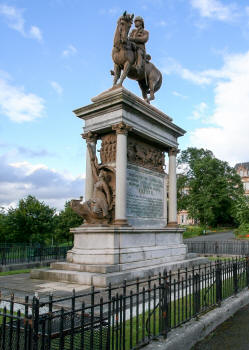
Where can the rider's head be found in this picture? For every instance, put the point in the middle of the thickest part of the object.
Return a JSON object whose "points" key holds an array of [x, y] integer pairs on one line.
{"points": [[139, 21]]}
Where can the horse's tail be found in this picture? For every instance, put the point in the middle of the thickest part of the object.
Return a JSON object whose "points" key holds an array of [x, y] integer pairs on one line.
{"points": [[159, 82]]}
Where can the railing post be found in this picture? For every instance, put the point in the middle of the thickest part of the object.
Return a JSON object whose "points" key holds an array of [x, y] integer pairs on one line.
{"points": [[197, 293], [247, 271], [165, 306], [35, 322], [235, 277], [218, 278]]}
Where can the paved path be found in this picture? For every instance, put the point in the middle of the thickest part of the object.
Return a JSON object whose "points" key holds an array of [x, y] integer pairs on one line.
{"points": [[215, 237], [22, 285], [231, 335]]}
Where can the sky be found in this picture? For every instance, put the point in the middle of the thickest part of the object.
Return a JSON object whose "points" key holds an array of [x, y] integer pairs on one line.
{"points": [[56, 55]]}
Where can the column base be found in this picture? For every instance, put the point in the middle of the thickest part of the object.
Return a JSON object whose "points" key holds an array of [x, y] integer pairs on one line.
{"points": [[121, 222], [172, 224]]}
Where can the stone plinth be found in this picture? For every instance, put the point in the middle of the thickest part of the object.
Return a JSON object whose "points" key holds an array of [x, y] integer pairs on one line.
{"points": [[140, 237], [103, 255]]}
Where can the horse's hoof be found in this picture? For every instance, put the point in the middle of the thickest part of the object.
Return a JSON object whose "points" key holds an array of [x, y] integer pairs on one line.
{"points": [[116, 86]]}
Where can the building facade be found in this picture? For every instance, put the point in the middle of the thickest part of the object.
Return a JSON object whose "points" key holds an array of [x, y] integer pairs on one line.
{"points": [[243, 170]]}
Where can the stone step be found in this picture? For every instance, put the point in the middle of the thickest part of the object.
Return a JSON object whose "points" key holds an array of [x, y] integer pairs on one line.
{"points": [[103, 279], [114, 268], [84, 278], [192, 255]]}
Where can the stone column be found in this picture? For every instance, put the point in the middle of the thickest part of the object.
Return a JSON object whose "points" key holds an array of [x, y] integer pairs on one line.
{"points": [[91, 139], [121, 168], [172, 188]]}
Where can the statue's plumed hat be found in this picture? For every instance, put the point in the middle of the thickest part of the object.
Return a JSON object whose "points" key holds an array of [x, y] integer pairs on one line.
{"points": [[139, 18]]}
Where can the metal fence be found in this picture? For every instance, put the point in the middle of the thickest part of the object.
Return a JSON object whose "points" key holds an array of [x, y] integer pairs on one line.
{"points": [[15, 254], [119, 318], [230, 247]]}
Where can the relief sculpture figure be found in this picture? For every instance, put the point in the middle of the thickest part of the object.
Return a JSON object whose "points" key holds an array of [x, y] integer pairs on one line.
{"points": [[98, 208], [129, 56]]}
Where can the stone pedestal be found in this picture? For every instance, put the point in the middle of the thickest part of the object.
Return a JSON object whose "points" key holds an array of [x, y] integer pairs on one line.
{"points": [[141, 237]]}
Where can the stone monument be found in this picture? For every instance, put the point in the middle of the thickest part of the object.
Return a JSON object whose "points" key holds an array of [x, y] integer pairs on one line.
{"points": [[130, 218]]}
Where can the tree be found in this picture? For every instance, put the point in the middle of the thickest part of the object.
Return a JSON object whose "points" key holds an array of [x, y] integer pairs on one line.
{"points": [[32, 221], [241, 210], [213, 187], [2, 224], [66, 219]]}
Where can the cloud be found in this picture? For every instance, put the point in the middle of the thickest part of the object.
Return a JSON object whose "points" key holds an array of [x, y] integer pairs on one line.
{"points": [[33, 153], [15, 151], [161, 23], [17, 180], [69, 51], [177, 94], [113, 11], [227, 135], [14, 18], [35, 33], [18, 105], [57, 88], [199, 111], [205, 77], [214, 9]]}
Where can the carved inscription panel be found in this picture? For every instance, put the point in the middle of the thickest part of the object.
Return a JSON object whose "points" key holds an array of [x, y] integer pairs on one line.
{"points": [[145, 193]]}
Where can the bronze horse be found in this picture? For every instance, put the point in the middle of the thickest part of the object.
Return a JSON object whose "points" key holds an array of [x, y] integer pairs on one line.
{"points": [[124, 58]]}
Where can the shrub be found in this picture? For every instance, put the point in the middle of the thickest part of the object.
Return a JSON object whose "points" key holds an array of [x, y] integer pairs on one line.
{"points": [[242, 231], [193, 231]]}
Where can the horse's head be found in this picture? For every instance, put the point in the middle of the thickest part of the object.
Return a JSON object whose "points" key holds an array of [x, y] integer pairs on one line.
{"points": [[124, 25]]}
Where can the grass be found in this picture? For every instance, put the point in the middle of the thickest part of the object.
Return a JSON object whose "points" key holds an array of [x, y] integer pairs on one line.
{"points": [[14, 272]]}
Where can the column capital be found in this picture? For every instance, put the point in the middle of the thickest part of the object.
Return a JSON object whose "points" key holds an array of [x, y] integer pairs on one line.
{"points": [[173, 151], [122, 128], [90, 136]]}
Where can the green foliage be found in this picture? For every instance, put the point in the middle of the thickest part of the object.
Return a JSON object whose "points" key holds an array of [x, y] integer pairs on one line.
{"points": [[241, 209], [213, 187], [66, 219], [2, 224], [31, 221], [182, 192], [34, 221], [243, 231], [193, 231]]}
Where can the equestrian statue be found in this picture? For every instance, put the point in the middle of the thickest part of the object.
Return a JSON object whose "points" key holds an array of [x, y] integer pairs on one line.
{"points": [[129, 56]]}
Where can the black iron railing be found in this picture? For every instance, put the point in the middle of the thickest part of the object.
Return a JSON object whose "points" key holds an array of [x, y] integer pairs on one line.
{"points": [[229, 247], [120, 317], [15, 254]]}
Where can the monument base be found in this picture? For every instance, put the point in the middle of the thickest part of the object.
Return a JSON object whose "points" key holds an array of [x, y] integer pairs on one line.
{"points": [[103, 255]]}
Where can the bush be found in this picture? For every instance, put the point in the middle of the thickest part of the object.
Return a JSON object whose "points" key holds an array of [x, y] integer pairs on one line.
{"points": [[193, 231], [242, 231]]}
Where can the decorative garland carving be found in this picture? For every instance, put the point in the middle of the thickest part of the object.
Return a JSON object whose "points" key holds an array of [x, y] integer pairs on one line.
{"points": [[108, 148]]}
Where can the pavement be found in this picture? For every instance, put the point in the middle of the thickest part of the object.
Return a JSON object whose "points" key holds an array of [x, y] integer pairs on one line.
{"points": [[22, 285], [221, 236], [232, 334]]}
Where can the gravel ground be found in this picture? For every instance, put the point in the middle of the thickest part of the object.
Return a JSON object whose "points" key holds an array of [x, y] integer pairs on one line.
{"points": [[231, 335]]}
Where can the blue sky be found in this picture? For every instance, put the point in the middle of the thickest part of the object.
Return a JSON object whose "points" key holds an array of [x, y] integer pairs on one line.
{"points": [[56, 55]]}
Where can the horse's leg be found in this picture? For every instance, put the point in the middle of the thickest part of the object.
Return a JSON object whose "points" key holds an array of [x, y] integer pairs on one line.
{"points": [[126, 69], [117, 72], [143, 88], [151, 85]]}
